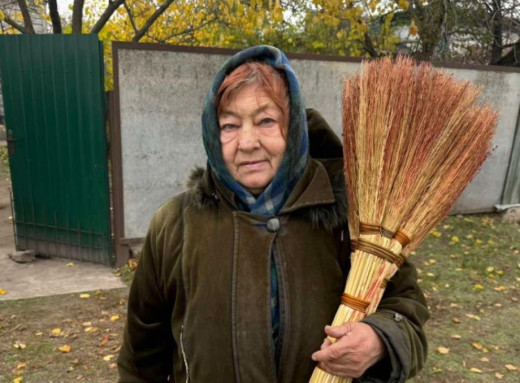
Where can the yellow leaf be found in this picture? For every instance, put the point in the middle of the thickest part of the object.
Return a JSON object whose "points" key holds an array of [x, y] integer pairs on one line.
{"points": [[477, 345], [56, 331], [70, 264], [471, 316], [455, 320], [478, 286], [484, 359], [500, 272], [478, 242], [20, 365], [498, 375], [443, 350], [2, 17], [86, 324], [3, 292], [491, 242], [404, 4], [455, 239], [18, 380], [114, 318], [19, 346], [436, 233], [510, 367], [475, 370], [39, 333], [490, 269], [432, 261], [455, 336], [107, 358], [500, 288], [84, 296], [64, 349]]}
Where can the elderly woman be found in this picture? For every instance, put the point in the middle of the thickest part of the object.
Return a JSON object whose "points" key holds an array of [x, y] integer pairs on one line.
{"points": [[239, 275]]}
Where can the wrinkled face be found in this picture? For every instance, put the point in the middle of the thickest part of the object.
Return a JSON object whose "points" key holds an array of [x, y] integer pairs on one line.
{"points": [[251, 137]]}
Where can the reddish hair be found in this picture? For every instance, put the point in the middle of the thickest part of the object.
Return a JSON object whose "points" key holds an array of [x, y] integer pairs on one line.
{"points": [[268, 79]]}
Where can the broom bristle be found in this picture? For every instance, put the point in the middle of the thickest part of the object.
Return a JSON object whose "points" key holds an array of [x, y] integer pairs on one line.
{"points": [[413, 139]]}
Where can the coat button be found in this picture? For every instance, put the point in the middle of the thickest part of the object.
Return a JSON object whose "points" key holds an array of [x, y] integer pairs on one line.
{"points": [[398, 317], [273, 225]]}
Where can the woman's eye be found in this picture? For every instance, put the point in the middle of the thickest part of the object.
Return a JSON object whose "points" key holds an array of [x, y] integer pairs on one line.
{"points": [[266, 121], [228, 127]]}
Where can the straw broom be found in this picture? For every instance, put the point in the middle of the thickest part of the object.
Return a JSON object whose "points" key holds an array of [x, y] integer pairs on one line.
{"points": [[413, 139]]}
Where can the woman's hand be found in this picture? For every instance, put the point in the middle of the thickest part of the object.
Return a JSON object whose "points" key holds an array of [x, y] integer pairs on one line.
{"points": [[357, 348]]}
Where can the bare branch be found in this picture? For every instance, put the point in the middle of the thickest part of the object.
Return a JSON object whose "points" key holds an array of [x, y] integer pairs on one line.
{"points": [[15, 25], [55, 17], [26, 16], [112, 6], [130, 17], [158, 12]]}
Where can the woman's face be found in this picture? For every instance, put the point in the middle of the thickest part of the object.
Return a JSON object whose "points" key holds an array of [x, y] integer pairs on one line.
{"points": [[252, 139]]}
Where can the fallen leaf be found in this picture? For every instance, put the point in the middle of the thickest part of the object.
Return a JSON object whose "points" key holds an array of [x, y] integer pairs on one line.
{"points": [[20, 365], [64, 349], [70, 264], [455, 320], [112, 365], [490, 269], [436, 233], [107, 358], [3, 292], [471, 316], [19, 346], [500, 288], [91, 329], [18, 380], [500, 272], [104, 341], [86, 324], [56, 332], [475, 370], [498, 375], [478, 286], [84, 296], [114, 318], [456, 337], [39, 333], [510, 367], [443, 350], [484, 359], [477, 345], [455, 239]]}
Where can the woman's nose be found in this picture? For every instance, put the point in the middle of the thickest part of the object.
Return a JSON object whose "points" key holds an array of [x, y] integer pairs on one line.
{"points": [[248, 137]]}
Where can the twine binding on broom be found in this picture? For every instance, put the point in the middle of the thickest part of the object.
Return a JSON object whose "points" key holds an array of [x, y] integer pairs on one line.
{"points": [[378, 251], [399, 235], [355, 303]]}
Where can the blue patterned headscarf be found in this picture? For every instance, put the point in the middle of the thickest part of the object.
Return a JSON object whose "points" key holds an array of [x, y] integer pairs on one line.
{"points": [[297, 147]]}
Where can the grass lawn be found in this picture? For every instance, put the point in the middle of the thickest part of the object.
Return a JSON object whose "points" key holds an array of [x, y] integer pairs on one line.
{"points": [[469, 269]]}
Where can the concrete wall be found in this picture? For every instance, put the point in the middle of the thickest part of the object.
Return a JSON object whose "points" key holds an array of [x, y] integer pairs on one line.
{"points": [[161, 94]]}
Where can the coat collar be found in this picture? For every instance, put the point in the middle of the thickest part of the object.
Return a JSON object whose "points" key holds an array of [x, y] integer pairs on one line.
{"points": [[318, 197]]}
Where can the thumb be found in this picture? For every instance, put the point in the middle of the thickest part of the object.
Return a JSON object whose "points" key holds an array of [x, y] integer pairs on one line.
{"points": [[338, 331]]}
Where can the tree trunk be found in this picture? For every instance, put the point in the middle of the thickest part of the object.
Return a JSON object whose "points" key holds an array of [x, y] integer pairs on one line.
{"points": [[26, 16], [55, 17], [496, 30], [77, 16]]}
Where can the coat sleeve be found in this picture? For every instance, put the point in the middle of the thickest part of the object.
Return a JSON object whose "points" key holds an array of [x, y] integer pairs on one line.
{"points": [[148, 345], [399, 322]]}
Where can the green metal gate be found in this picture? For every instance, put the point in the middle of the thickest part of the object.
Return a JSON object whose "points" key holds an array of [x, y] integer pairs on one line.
{"points": [[55, 108]]}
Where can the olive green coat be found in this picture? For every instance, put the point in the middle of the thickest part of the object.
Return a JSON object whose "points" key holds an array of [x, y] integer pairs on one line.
{"points": [[199, 305]]}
